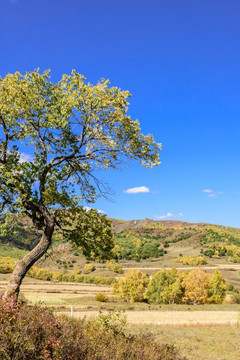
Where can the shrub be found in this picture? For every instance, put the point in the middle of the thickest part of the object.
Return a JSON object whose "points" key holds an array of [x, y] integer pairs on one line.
{"points": [[236, 298], [232, 288], [101, 297], [88, 268], [33, 332], [114, 267], [191, 260]]}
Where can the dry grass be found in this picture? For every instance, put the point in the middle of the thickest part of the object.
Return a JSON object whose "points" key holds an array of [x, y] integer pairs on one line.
{"points": [[197, 342], [175, 318], [198, 331]]}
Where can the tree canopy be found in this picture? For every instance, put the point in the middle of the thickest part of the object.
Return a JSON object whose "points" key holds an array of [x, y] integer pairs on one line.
{"points": [[54, 137], [73, 129]]}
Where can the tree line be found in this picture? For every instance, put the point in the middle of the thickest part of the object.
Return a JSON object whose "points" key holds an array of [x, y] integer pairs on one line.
{"points": [[172, 287]]}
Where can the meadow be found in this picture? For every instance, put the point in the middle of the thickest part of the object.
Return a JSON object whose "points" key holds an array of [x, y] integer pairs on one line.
{"points": [[204, 332], [201, 332]]}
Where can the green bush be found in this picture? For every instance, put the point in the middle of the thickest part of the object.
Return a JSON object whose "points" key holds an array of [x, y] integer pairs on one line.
{"points": [[236, 298]]}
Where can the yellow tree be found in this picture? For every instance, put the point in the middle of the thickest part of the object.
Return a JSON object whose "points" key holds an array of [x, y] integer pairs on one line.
{"points": [[196, 285], [166, 287], [217, 288], [132, 287]]}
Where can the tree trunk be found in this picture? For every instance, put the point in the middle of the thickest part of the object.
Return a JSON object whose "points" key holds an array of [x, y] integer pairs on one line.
{"points": [[22, 266]]}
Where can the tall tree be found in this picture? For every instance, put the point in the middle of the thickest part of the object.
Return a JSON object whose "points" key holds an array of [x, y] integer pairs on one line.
{"points": [[217, 288], [132, 287], [72, 129], [166, 287], [196, 285]]}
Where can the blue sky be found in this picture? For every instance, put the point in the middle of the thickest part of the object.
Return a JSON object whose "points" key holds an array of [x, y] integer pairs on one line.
{"points": [[180, 60]]}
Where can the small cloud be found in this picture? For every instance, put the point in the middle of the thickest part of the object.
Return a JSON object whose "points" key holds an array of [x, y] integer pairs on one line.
{"points": [[180, 214], [137, 190], [87, 208], [25, 157], [161, 217], [212, 194], [101, 211]]}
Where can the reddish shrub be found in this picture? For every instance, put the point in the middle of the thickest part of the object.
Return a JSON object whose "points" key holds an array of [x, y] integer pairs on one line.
{"points": [[33, 332]]}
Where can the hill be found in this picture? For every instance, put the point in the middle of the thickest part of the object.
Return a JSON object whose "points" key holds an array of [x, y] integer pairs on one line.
{"points": [[139, 240]]}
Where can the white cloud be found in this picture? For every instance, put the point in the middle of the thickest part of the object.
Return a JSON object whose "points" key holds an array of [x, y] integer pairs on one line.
{"points": [[25, 157], [137, 190], [101, 211], [161, 217], [211, 193], [87, 208], [165, 216]]}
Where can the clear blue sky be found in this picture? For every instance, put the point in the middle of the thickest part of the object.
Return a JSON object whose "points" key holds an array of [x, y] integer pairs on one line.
{"points": [[180, 59]]}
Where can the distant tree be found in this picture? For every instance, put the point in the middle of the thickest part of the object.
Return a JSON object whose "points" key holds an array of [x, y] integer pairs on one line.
{"points": [[72, 129], [196, 285], [166, 287], [132, 287], [217, 288]]}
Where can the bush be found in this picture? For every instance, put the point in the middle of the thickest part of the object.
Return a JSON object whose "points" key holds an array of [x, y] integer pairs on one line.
{"points": [[88, 268], [236, 298], [101, 297], [191, 260], [114, 267], [33, 332]]}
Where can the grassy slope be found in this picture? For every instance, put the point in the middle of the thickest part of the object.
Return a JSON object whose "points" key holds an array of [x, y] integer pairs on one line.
{"points": [[63, 257]]}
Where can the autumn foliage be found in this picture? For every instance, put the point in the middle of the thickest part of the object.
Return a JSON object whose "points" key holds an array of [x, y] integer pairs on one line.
{"points": [[33, 332], [172, 287]]}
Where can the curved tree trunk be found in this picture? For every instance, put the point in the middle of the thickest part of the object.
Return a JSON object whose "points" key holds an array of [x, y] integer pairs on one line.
{"points": [[22, 266]]}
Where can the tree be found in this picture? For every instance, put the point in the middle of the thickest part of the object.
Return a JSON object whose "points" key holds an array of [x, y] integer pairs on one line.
{"points": [[72, 129], [132, 287], [217, 288], [196, 285], [166, 287]]}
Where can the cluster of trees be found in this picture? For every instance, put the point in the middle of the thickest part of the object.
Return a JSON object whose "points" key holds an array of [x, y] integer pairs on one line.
{"points": [[7, 265], [219, 235], [144, 245], [131, 246], [172, 287], [218, 250], [191, 260]]}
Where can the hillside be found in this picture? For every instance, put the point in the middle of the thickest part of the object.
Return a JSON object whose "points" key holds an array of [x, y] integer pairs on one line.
{"points": [[139, 240]]}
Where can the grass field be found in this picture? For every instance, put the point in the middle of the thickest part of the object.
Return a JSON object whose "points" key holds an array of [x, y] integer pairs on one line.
{"points": [[203, 332]]}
